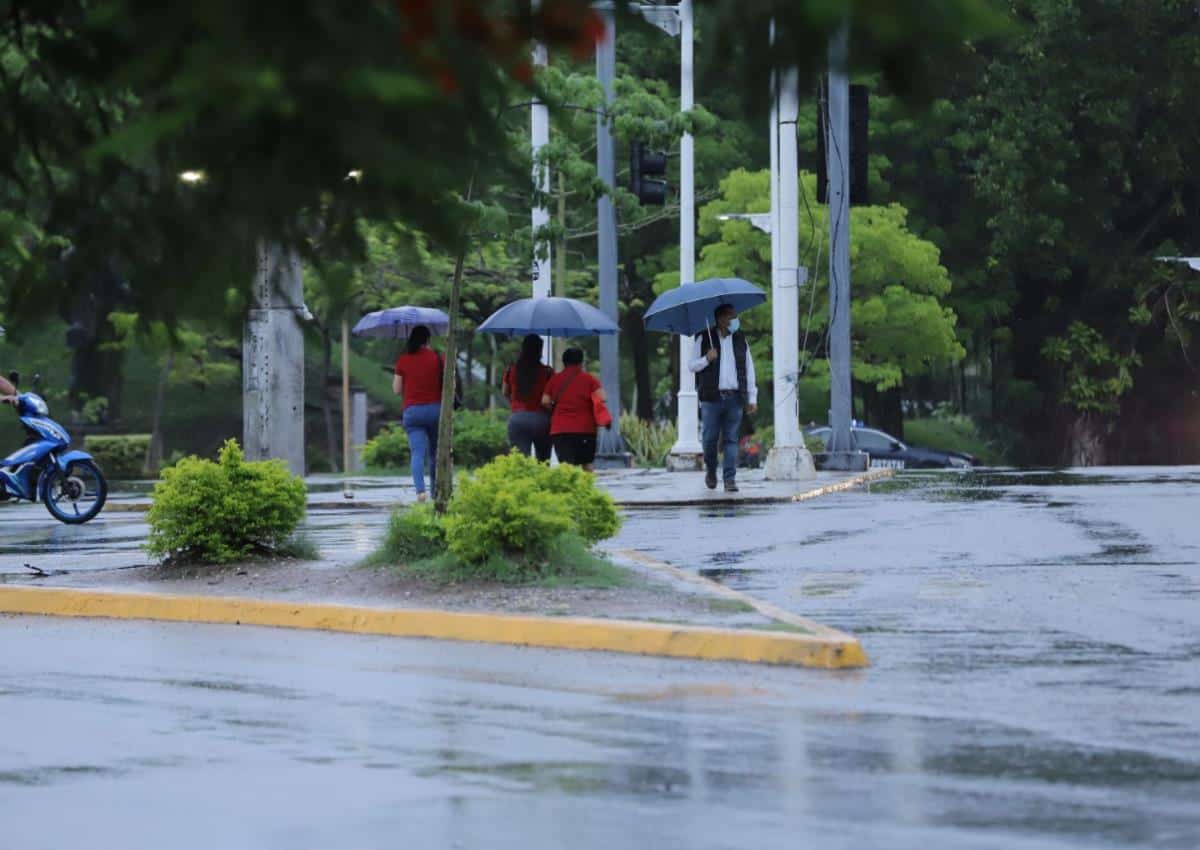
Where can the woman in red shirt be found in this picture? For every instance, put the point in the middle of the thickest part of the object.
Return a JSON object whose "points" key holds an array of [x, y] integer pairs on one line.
{"points": [[419, 379], [523, 384], [569, 396]]}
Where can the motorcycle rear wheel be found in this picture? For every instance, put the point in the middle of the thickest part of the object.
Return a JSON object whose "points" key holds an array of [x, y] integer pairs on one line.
{"points": [[78, 496]]}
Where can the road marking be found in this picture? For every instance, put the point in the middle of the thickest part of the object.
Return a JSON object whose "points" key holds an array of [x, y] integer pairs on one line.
{"points": [[575, 633]]}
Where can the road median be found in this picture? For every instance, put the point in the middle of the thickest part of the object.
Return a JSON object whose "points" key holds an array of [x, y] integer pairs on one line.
{"points": [[571, 633]]}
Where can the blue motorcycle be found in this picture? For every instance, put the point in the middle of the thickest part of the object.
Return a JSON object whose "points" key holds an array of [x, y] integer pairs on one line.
{"points": [[68, 483]]}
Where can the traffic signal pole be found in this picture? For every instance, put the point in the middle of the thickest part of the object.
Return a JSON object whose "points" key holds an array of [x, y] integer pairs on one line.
{"points": [[838, 151], [609, 441]]}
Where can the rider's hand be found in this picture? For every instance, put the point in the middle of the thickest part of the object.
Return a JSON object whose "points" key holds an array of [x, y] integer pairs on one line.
{"points": [[9, 399]]}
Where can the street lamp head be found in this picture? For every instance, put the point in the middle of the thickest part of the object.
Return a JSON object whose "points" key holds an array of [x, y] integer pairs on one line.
{"points": [[355, 174], [193, 177]]}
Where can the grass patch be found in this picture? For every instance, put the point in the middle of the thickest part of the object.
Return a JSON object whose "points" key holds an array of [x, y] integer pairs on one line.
{"points": [[730, 606], [568, 563]]}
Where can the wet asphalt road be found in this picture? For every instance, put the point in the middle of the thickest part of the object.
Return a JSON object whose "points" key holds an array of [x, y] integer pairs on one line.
{"points": [[1035, 641]]}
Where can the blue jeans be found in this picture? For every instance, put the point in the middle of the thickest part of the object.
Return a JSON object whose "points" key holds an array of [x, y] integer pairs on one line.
{"points": [[421, 425], [719, 422]]}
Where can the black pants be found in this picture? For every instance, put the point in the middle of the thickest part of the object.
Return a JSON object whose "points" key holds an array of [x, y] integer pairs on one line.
{"points": [[577, 449], [528, 430]]}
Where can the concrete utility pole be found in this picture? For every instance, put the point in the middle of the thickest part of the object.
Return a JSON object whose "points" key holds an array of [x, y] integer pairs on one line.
{"points": [[788, 459], [609, 442], [837, 149], [687, 453], [273, 361]]}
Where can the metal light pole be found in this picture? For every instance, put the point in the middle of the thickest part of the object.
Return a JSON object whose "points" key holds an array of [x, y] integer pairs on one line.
{"points": [[609, 442], [838, 152], [687, 453]]}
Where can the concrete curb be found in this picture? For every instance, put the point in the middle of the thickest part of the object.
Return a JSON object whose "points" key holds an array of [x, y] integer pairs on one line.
{"points": [[689, 502], [768, 610], [713, 644]]}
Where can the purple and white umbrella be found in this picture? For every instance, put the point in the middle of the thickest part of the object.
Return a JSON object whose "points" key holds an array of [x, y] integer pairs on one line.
{"points": [[398, 322]]}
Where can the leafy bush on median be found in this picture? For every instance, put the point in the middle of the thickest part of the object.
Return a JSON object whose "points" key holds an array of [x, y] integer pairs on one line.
{"points": [[226, 511], [515, 519]]}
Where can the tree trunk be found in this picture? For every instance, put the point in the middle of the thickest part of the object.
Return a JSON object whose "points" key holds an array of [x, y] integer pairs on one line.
{"points": [[445, 470], [154, 454], [1086, 438], [491, 372]]}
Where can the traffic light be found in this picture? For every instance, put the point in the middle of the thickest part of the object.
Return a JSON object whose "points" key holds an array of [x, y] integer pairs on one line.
{"points": [[642, 163], [860, 112]]}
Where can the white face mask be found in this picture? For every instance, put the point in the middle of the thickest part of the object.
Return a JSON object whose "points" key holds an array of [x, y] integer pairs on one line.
{"points": [[734, 325]]}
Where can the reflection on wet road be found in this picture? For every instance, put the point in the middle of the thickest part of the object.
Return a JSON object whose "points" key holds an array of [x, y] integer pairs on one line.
{"points": [[1043, 629], [1035, 641]]}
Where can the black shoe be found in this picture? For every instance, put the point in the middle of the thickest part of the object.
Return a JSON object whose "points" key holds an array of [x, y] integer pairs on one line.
{"points": [[731, 487], [710, 479]]}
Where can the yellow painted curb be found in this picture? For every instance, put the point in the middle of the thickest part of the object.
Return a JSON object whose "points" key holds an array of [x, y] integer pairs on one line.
{"points": [[817, 630], [557, 633], [849, 484]]}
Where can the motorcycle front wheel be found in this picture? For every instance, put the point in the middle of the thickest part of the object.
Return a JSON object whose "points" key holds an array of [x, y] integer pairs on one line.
{"points": [[79, 495]]}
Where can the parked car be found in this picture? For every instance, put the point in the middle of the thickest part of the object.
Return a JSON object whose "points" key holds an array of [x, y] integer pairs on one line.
{"points": [[886, 450]]}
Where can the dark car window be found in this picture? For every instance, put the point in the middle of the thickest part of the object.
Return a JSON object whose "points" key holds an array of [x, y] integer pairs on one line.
{"points": [[873, 441], [821, 434]]}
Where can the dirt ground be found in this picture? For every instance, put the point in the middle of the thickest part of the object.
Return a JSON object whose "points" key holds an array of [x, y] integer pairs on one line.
{"points": [[645, 596]]}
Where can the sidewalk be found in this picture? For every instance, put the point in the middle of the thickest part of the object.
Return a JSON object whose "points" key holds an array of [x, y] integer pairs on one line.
{"points": [[631, 488]]}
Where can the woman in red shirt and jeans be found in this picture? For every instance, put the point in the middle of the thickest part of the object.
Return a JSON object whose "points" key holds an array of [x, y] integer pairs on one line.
{"points": [[419, 379], [524, 383], [572, 420]]}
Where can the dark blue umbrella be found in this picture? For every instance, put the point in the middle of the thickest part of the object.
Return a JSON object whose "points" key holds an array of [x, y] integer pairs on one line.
{"points": [[398, 322], [549, 317], [688, 309]]}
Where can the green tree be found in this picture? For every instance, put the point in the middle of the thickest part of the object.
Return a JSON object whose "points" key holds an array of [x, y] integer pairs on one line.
{"points": [[899, 325], [1085, 161]]}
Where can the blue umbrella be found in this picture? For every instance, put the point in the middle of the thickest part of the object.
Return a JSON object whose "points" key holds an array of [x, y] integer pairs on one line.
{"points": [[688, 309], [549, 317], [398, 322]]}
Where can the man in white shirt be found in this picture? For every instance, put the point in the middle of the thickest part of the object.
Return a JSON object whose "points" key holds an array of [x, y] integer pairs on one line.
{"points": [[726, 385]]}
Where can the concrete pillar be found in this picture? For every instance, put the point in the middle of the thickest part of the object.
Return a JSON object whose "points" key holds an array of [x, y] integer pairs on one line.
{"points": [[788, 459], [358, 429], [273, 361]]}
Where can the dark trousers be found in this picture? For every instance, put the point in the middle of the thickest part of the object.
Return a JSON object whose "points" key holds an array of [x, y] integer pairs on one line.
{"points": [[720, 421], [528, 430]]}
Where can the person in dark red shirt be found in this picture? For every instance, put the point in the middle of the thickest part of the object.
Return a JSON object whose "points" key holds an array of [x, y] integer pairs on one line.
{"points": [[419, 379], [569, 397], [523, 385]]}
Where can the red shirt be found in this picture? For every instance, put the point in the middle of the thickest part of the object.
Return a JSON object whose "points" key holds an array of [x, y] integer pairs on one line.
{"points": [[531, 402], [573, 406], [422, 374]]}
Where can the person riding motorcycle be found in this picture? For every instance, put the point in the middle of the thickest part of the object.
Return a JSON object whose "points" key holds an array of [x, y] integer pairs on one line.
{"points": [[8, 393]]}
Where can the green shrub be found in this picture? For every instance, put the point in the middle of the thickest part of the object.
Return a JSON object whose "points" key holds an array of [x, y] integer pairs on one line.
{"points": [[518, 507], [648, 442], [119, 455], [413, 534], [478, 438], [226, 511], [386, 450]]}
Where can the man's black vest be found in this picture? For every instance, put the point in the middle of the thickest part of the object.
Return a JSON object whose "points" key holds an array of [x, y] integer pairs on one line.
{"points": [[708, 379]]}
